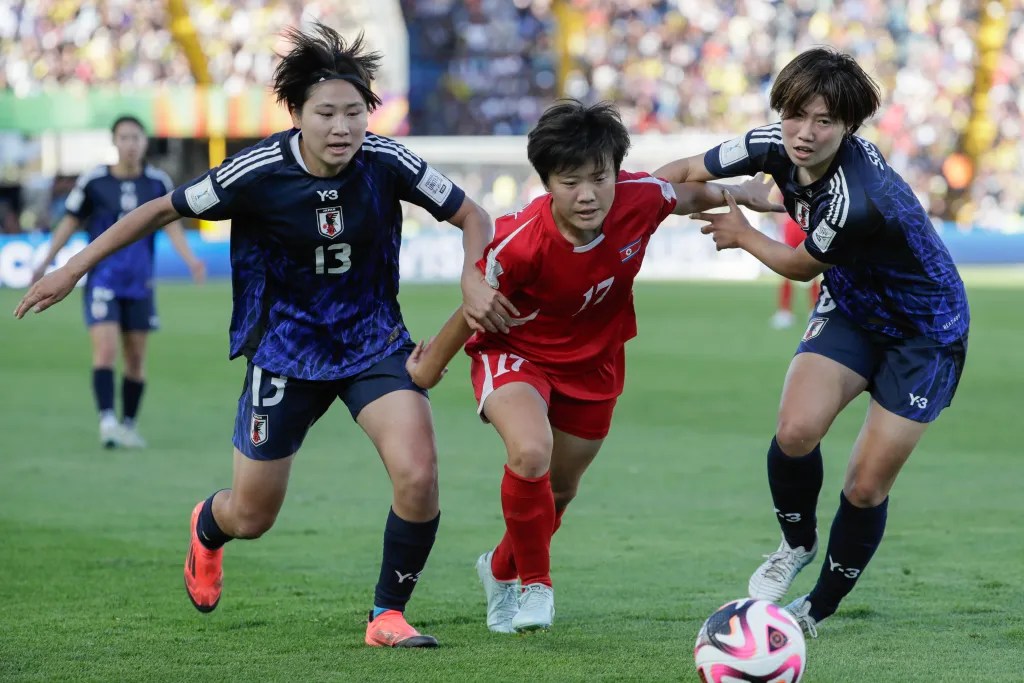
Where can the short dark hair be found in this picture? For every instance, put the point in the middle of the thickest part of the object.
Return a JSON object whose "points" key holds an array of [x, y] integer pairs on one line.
{"points": [[571, 134], [127, 118], [322, 55], [850, 94]]}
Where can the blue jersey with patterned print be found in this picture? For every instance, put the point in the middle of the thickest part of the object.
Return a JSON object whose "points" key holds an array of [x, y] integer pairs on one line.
{"points": [[315, 260], [98, 200], [891, 271]]}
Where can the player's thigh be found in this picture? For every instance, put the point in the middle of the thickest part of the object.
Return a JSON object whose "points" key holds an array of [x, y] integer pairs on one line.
{"points": [[103, 337], [401, 428], [883, 446], [133, 346], [275, 413]]}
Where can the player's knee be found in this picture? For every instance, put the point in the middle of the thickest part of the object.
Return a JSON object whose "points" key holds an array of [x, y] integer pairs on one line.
{"points": [[529, 457], [253, 524], [797, 436], [563, 497], [864, 494], [133, 365], [104, 356]]}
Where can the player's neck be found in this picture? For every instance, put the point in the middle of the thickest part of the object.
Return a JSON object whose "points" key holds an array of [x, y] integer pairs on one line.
{"points": [[811, 174], [125, 170]]}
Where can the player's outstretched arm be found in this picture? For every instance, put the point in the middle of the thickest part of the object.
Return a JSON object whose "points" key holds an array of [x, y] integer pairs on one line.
{"points": [[686, 170], [176, 233], [484, 307], [131, 227], [731, 230], [58, 238], [754, 194], [429, 360]]}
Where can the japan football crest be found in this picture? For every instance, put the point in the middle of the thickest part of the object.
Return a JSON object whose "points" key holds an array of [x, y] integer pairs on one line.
{"points": [[329, 221], [803, 214], [259, 430]]}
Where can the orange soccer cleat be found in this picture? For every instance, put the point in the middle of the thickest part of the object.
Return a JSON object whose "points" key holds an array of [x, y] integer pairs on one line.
{"points": [[203, 572], [390, 629]]}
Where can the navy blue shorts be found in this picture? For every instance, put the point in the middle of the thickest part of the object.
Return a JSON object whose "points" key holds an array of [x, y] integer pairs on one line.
{"points": [[133, 315], [914, 377], [274, 412]]}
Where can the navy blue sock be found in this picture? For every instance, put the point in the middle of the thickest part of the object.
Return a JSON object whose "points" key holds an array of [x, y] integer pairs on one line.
{"points": [[131, 396], [210, 534], [103, 389], [856, 535], [406, 548], [795, 485]]}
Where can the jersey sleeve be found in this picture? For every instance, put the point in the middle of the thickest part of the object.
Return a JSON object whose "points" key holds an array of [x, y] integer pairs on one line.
{"points": [[841, 223], [79, 202], [419, 183], [509, 259], [649, 197], [219, 193], [747, 154]]}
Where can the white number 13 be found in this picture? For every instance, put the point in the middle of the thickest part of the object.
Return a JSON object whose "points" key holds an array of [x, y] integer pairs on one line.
{"points": [[340, 252], [601, 290]]}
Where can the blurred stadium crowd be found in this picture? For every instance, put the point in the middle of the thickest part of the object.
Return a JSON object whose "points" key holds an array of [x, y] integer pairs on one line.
{"points": [[483, 67]]}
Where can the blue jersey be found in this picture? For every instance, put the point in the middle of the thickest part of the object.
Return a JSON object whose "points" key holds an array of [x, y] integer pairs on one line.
{"points": [[891, 271], [315, 260], [98, 200]]}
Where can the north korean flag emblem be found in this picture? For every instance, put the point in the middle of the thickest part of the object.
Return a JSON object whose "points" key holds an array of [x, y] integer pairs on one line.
{"points": [[630, 250]]}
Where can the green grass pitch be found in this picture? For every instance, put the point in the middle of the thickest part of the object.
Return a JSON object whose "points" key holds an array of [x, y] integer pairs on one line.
{"points": [[670, 521]]}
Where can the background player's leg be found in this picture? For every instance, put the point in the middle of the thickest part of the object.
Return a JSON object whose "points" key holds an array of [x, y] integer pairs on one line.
{"points": [[783, 316], [103, 337], [133, 383], [883, 446]]}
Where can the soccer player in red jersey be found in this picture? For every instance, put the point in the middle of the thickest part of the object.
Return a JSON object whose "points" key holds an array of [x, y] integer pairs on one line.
{"points": [[566, 262], [793, 235]]}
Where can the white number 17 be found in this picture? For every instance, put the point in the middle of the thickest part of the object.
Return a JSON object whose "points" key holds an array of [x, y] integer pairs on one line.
{"points": [[601, 290]]}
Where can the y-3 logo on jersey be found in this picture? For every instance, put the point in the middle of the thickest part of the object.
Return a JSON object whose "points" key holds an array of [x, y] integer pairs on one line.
{"points": [[327, 194], [919, 402]]}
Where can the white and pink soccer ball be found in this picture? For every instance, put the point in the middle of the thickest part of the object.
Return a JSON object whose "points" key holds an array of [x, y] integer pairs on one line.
{"points": [[750, 641]]}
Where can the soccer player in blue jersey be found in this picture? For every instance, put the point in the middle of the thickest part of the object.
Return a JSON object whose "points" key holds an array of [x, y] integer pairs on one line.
{"points": [[314, 251], [119, 297], [892, 318]]}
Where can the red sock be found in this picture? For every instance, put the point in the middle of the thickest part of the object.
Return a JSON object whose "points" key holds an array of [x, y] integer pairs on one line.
{"points": [[529, 509], [503, 561], [785, 295]]}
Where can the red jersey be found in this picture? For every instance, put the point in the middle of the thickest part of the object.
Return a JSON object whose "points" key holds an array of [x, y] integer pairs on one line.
{"points": [[575, 302]]}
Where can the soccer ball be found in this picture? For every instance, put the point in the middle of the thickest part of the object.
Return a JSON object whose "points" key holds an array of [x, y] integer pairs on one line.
{"points": [[750, 640]]}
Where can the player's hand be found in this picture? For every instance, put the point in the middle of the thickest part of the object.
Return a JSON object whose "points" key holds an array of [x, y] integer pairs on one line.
{"points": [[485, 308], [48, 291], [38, 273], [755, 194], [412, 366], [198, 270], [726, 229]]}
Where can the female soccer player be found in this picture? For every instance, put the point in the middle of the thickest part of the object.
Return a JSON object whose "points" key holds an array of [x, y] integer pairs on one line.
{"points": [[118, 294], [567, 263], [892, 318], [314, 251]]}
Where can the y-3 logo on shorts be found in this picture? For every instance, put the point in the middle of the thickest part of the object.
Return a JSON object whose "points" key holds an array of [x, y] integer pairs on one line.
{"points": [[918, 401]]}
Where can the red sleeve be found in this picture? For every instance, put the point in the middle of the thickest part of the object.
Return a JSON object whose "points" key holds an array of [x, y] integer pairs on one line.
{"points": [[507, 263], [651, 197]]}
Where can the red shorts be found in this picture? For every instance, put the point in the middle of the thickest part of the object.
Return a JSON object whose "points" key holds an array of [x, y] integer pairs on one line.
{"points": [[584, 419], [792, 233]]}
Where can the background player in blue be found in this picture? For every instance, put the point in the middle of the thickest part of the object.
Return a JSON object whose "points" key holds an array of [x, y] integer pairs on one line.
{"points": [[892, 318], [119, 297], [315, 234]]}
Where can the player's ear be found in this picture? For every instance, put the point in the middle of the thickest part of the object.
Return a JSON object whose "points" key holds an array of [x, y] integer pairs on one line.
{"points": [[296, 114]]}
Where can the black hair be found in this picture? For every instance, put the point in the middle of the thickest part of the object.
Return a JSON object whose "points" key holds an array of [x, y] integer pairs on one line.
{"points": [[323, 55], [127, 118], [571, 134], [850, 94]]}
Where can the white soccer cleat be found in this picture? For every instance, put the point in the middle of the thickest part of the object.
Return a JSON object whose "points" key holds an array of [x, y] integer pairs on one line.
{"points": [[801, 611], [502, 596], [773, 578], [536, 608], [110, 433], [129, 437], [782, 320]]}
